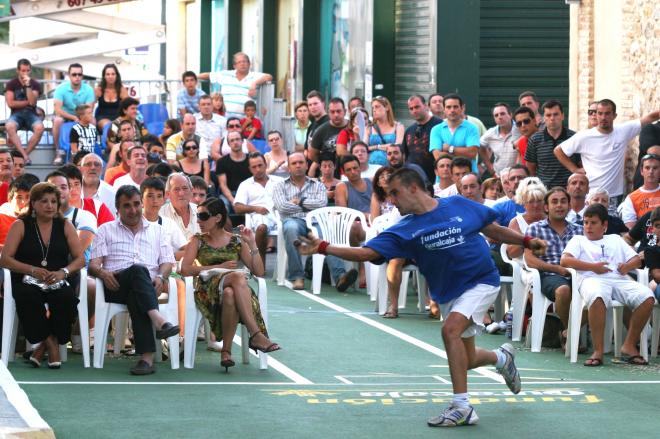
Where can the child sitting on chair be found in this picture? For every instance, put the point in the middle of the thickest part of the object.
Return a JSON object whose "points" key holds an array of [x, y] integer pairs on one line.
{"points": [[250, 124], [603, 263]]}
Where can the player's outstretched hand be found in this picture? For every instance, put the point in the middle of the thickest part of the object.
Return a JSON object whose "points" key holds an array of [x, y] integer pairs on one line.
{"points": [[307, 245], [538, 246]]}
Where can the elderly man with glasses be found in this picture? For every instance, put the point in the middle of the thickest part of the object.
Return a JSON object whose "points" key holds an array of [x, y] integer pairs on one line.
{"points": [[91, 167]]}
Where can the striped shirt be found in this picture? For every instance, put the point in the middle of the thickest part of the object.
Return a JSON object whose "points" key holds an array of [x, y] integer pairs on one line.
{"points": [[504, 149], [312, 194], [234, 91], [188, 102], [121, 249], [540, 151]]}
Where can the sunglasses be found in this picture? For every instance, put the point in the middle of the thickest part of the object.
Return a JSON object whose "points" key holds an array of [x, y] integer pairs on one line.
{"points": [[591, 112], [188, 148], [650, 157], [233, 126], [75, 74], [520, 123], [204, 216]]}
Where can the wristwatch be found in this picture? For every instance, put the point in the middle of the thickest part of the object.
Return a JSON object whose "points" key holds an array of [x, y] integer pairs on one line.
{"points": [[451, 149], [161, 277], [66, 272]]}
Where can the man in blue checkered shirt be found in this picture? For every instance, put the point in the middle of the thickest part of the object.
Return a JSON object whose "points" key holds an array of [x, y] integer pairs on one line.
{"points": [[556, 231]]}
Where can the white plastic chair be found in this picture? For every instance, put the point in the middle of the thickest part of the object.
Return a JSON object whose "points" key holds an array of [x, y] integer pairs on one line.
{"points": [[10, 321], [518, 294], [194, 319], [279, 274], [643, 278], [334, 224], [613, 322], [106, 310]]}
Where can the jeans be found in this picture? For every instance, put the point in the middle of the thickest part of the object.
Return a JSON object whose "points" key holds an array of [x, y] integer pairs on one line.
{"points": [[292, 229]]}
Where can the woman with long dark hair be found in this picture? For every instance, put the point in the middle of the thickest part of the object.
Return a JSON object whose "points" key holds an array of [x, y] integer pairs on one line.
{"points": [[109, 92]]}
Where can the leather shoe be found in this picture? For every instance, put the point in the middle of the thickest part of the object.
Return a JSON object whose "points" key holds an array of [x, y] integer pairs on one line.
{"points": [[142, 368], [347, 280], [167, 330], [298, 284]]}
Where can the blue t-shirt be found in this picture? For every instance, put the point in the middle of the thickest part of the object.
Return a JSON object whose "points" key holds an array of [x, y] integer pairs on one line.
{"points": [[71, 100], [466, 134], [446, 246], [506, 210]]}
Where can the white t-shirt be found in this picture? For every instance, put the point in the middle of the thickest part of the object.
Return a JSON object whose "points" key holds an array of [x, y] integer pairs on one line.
{"points": [[124, 180], [603, 155], [446, 192], [173, 233], [252, 193], [611, 249], [106, 194], [167, 211], [7, 209]]}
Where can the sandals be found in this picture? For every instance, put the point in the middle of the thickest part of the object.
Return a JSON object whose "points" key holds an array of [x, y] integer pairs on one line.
{"points": [[270, 348], [593, 362], [391, 315], [227, 363], [634, 360]]}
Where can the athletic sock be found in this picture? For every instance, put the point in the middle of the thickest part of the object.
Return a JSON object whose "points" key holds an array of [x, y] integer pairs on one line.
{"points": [[461, 400], [501, 358]]}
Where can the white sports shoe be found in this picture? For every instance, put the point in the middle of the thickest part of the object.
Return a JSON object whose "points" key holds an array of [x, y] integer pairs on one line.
{"points": [[509, 371], [454, 417]]}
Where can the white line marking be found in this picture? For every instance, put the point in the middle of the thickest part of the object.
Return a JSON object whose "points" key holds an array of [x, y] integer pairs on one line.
{"points": [[405, 337], [279, 366], [19, 399], [343, 380], [441, 379], [473, 386]]}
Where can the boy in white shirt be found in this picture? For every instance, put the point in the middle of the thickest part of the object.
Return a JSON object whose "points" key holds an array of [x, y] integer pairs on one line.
{"points": [[603, 263]]}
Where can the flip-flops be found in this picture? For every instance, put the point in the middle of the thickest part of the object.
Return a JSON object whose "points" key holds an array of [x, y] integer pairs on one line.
{"points": [[634, 360], [593, 362]]}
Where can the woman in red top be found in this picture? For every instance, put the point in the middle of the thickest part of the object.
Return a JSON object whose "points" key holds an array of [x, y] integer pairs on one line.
{"points": [[350, 134]]}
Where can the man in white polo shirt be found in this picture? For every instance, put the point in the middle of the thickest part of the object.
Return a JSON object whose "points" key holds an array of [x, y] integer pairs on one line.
{"points": [[238, 85], [603, 150], [254, 197]]}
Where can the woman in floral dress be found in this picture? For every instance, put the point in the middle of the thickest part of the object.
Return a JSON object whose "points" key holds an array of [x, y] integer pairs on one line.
{"points": [[226, 299]]}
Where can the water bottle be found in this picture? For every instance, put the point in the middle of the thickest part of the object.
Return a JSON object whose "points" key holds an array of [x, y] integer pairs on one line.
{"points": [[508, 319]]}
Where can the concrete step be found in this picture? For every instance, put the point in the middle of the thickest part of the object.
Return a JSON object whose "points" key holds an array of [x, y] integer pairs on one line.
{"points": [[40, 170], [43, 155]]}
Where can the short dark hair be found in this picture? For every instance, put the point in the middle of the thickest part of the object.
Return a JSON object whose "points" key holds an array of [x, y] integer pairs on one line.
{"points": [[71, 172], [461, 162], [596, 210], [15, 154], [4, 150], [274, 132], [453, 96], [128, 191], [151, 140], [23, 62], [608, 102], [77, 157], [327, 157], [503, 104], [407, 177], [357, 98], [216, 207], [125, 103], [434, 95], [528, 93], [644, 158], [443, 157], [162, 168], [347, 158], [552, 103], [524, 110], [420, 97], [256, 155], [56, 173], [520, 166], [198, 182], [21, 184], [315, 94], [152, 183], [249, 104], [231, 119], [75, 65], [354, 144], [554, 190], [188, 74], [337, 100]]}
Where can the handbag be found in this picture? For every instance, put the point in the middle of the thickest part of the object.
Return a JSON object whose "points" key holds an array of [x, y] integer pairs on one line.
{"points": [[43, 286]]}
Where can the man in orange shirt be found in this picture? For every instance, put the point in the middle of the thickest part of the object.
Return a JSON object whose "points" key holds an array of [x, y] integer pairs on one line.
{"points": [[647, 197], [111, 174]]}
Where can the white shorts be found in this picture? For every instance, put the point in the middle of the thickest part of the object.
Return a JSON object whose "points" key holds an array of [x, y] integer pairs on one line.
{"points": [[258, 219], [627, 291], [473, 304]]}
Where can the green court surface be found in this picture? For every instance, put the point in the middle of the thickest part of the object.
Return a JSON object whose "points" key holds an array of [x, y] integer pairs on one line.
{"points": [[343, 372]]}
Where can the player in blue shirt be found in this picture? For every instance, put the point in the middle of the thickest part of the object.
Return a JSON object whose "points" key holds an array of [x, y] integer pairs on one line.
{"points": [[443, 237]]}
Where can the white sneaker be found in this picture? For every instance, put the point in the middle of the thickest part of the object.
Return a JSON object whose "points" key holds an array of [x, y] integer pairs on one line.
{"points": [[76, 344], [509, 371], [214, 346], [454, 417], [493, 328]]}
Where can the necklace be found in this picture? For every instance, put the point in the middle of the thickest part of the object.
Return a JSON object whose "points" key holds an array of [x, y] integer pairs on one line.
{"points": [[44, 254]]}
